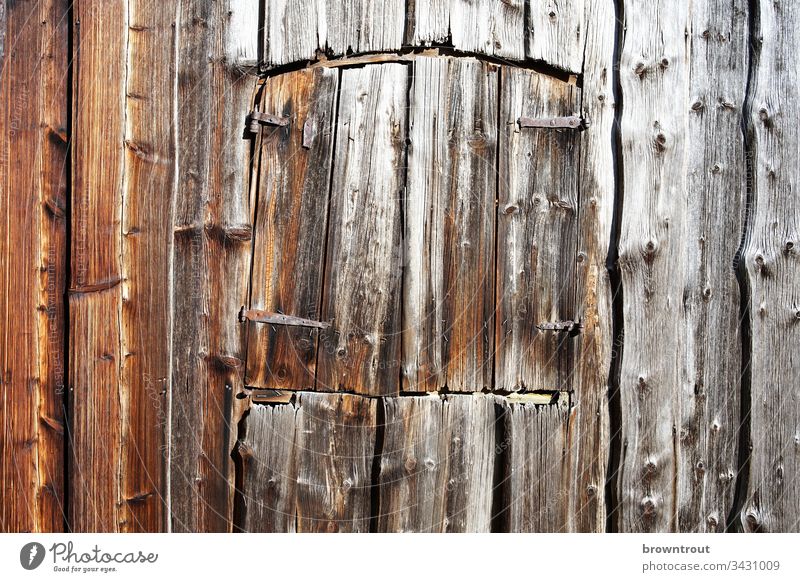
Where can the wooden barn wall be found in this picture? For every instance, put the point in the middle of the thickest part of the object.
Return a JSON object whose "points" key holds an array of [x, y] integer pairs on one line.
{"points": [[130, 215]]}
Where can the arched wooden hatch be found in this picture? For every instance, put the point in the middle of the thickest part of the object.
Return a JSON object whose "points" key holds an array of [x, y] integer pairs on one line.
{"points": [[412, 326], [416, 229]]}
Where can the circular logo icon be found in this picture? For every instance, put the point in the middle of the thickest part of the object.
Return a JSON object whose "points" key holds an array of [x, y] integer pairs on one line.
{"points": [[31, 555]]}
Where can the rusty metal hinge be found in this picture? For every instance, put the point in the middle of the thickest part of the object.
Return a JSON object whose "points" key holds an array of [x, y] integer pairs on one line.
{"points": [[570, 327], [571, 122], [270, 396], [255, 119], [261, 316]]}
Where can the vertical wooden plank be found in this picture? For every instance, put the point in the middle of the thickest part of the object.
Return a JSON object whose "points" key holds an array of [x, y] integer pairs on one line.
{"points": [[589, 423], [556, 33], [294, 182], [653, 76], [362, 26], [715, 171], [32, 267], [771, 261], [470, 425], [536, 232], [269, 469], [291, 31], [361, 351], [336, 444], [211, 263], [448, 285], [536, 474], [54, 135], [437, 465], [95, 358], [296, 31], [428, 22], [491, 27], [147, 222], [242, 32], [413, 465]]}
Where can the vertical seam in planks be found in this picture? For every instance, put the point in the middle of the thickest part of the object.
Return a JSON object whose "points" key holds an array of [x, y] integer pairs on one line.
{"points": [[498, 137], [412, 71], [325, 265], [741, 486], [123, 405], [166, 468], [68, 161], [615, 457]]}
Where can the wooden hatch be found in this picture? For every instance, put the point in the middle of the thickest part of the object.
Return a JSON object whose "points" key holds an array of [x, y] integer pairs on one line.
{"points": [[421, 217]]}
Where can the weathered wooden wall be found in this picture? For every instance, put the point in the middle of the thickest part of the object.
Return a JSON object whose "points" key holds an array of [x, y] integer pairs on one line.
{"points": [[141, 216]]}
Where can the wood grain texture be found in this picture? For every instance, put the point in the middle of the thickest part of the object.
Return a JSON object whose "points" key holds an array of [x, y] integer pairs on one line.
{"points": [[269, 469], [652, 260], [535, 472], [715, 184], [292, 215], [437, 464], [336, 444], [299, 30], [556, 33], [211, 263], [95, 356], [361, 298], [772, 273], [33, 138], [242, 32], [448, 280], [589, 423], [537, 232], [147, 220]]}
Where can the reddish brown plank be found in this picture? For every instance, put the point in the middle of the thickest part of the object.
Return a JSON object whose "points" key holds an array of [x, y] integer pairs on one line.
{"points": [[288, 259], [33, 137]]}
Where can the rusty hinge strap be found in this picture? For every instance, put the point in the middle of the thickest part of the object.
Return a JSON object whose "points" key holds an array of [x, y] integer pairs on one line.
{"points": [[261, 316], [571, 327], [257, 118], [270, 396], [571, 122]]}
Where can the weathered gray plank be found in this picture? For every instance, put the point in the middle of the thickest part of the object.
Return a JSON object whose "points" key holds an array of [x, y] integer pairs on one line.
{"points": [[437, 464], [336, 444], [292, 30], [361, 352], [448, 285], [653, 76], [716, 191], [298, 30], [268, 456], [589, 425], [556, 33], [242, 31], [773, 272], [536, 232], [211, 262], [294, 182], [492, 27], [535, 473]]}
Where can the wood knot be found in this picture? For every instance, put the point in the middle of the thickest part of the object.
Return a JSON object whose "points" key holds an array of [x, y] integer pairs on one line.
{"points": [[660, 143], [640, 70]]}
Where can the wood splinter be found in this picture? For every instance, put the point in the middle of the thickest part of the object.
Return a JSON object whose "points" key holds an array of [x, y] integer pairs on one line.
{"points": [[261, 316]]}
